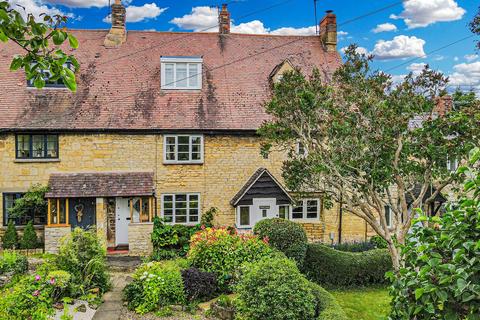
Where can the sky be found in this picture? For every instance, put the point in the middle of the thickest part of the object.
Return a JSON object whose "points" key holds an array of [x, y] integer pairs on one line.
{"points": [[403, 38]]}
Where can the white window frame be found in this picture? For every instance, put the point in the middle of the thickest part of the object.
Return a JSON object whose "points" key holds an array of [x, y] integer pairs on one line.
{"points": [[289, 207], [198, 61], [297, 150], [455, 163], [390, 216], [304, 209], [188, 194], [249, 226], [190, 159]]}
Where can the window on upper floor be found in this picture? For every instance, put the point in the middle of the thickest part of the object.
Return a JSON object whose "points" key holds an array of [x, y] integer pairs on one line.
{"points": [[300, 149], [181, 73], [388, 216], [36, 146], [51, 83], [183, 149], [306, 209], [9, 198], [181, 208]]}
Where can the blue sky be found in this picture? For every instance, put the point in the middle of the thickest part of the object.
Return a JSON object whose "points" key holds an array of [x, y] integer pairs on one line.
{"points": [[409, 30]]}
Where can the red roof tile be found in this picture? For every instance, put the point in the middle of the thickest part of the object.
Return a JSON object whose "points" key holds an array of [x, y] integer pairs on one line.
{"points": [[120, 88]]}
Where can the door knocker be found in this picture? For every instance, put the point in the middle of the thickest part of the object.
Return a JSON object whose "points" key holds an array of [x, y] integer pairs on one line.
{"points": [[79, 210]]}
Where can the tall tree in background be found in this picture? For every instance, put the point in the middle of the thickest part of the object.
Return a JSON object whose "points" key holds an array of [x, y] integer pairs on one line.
{"points": [[370, 144], [475, 26], [43, 59]]}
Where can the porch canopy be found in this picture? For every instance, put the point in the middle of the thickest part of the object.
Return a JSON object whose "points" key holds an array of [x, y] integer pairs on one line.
{"points": [[104, 184]]}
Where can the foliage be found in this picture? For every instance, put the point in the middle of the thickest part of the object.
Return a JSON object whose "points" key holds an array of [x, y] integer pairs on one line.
{"points": [[475, 26], [333, 268], [10, 238], [60, 281], [155, 285], [354, 246], [83, 255], [274, 288], [362, 147], [10, 261], [440, 278], [327, 306], [364, 303], [221, 252], [284, 235], [40, 38], [379, 242], [208, 217], [29, 239], [33, 201], [199, 285]]}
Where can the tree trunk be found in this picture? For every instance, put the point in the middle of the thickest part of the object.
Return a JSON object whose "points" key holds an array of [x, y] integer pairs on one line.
{"points": [[395, 255]]}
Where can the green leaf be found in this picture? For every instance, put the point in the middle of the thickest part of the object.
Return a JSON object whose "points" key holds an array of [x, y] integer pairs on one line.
{"points": [[3, 37], [69, 80], [419, 293], [39, 82], [17, 63], [73, 41], [58, 37]]}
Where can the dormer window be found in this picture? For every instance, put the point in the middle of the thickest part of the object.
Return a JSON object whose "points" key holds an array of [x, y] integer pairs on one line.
{"points": [[181, 73], [58, 83], [276, 76]]}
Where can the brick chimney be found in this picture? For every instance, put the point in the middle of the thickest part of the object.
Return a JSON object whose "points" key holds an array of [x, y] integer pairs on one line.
{"points": [[328, 31], [224, 20], [444, 105], [118, 32]]}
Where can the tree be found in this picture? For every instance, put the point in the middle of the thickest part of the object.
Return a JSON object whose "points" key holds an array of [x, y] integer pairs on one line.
{"points": [[475, 26], [440, 279], [32, 202], [41, 60], [29, 239], [10, 238], [364, 147]]}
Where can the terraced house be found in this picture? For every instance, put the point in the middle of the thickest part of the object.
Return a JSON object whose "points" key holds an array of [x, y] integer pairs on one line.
{"points": [[163, 124]]}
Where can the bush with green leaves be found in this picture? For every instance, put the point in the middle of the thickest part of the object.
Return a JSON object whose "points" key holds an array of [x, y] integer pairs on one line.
{"points": [[327, 307], [33, 201], [379, 242], [12, 262], [332, 268], [274, 288], [83, 255], [155, 285], [284, 235], [10, 238], [441, 275], [354, 246], [29, 238], [222, 252], [170, 241]]}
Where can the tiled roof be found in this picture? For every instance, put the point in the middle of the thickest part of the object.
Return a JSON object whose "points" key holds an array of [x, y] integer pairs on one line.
{"points": [[107, 184], [119, 88]]}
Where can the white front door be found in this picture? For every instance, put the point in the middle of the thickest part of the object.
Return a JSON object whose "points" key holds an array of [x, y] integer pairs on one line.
{"points": [[264, 209], [122, 213]]}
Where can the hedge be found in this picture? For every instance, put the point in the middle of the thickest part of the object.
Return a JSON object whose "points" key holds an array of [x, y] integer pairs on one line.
{"points": [[332, 268], [328, 307]]}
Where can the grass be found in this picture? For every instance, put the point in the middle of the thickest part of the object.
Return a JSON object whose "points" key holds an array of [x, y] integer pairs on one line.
{"points": [[364, 304]]}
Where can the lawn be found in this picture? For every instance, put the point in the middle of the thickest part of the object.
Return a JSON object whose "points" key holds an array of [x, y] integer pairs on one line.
{"points": [[364, 304]]}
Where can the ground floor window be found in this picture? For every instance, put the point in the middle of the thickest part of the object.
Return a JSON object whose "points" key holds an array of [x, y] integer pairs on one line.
{"points": [[244, 216], [284, 212], [181, 208], [58, 211], [38, 218], [306, 209], [141, 209], [388, 216]]}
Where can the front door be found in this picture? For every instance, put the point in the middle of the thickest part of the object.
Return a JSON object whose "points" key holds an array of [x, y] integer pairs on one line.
{"points": [[264, 209], [82, 212], [122, 216]]}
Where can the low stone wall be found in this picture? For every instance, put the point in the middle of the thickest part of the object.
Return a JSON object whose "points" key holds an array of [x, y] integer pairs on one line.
{"points": [[53, 236], [139, 239]]}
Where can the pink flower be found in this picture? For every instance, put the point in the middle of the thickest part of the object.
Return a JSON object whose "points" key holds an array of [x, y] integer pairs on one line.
{"points": [[36, 293], [265, 239], [203, 227], [52, 281], [37, 278]]}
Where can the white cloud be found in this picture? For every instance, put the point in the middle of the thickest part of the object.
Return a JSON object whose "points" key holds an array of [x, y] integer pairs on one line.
{"points": [[200, 19], [416, 68], [456, 59], [137, 14], [385, 27], [466, 76], [340, 33], [360, 50], [307, 31], [252, 27], [471, 57], [421, 13], [36, 8], [400, 47]]}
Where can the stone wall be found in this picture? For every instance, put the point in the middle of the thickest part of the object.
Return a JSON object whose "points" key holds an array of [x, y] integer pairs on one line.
{"points": [[139, 239], [53, 235]]}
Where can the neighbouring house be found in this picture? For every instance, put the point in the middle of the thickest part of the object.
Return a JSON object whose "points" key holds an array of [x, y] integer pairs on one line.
{"points": [[163, 124]]}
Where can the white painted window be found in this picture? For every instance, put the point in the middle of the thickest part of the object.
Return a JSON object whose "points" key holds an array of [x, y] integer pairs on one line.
{"points": [[452, 164], [300, 149], [388, 216], [181, 208], [284, 212], [183, 149], [306, 209], [243, 217], [181, 73]]}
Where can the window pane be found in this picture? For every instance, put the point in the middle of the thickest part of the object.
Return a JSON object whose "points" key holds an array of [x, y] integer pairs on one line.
{"points": [[63, 213], [23, 146], [388, 216], [181, 219], [193, 76], [53, 211], [38, 146], [283, 212], [182, 76], [136, 210], [297, 212], [52, 146], [193, 218], [183, 156], [184, 140], [196, 156], [183, 148], [196, 140], [312, 209], [169, 75], [244, 216]]}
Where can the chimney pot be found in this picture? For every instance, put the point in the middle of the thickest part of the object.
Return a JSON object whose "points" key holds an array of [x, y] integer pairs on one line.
{"points": [[328, 31], [224, 20], [118, 32]]}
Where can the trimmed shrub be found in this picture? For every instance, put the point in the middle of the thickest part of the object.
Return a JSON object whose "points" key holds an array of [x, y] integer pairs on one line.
{"points": [[29, 239], [354, 246], [10, 238], [327, 307], [287, 236], [199, 285], [274, 289], [333, 268], [13, 262], [155, 285], [220, 252], [83, 255]]}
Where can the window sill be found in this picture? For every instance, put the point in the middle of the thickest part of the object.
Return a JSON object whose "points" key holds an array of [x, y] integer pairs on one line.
{"points": [[306, 220], [40, 160], [47, 88], [58, 226], [182, 89], [182, 163]]}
